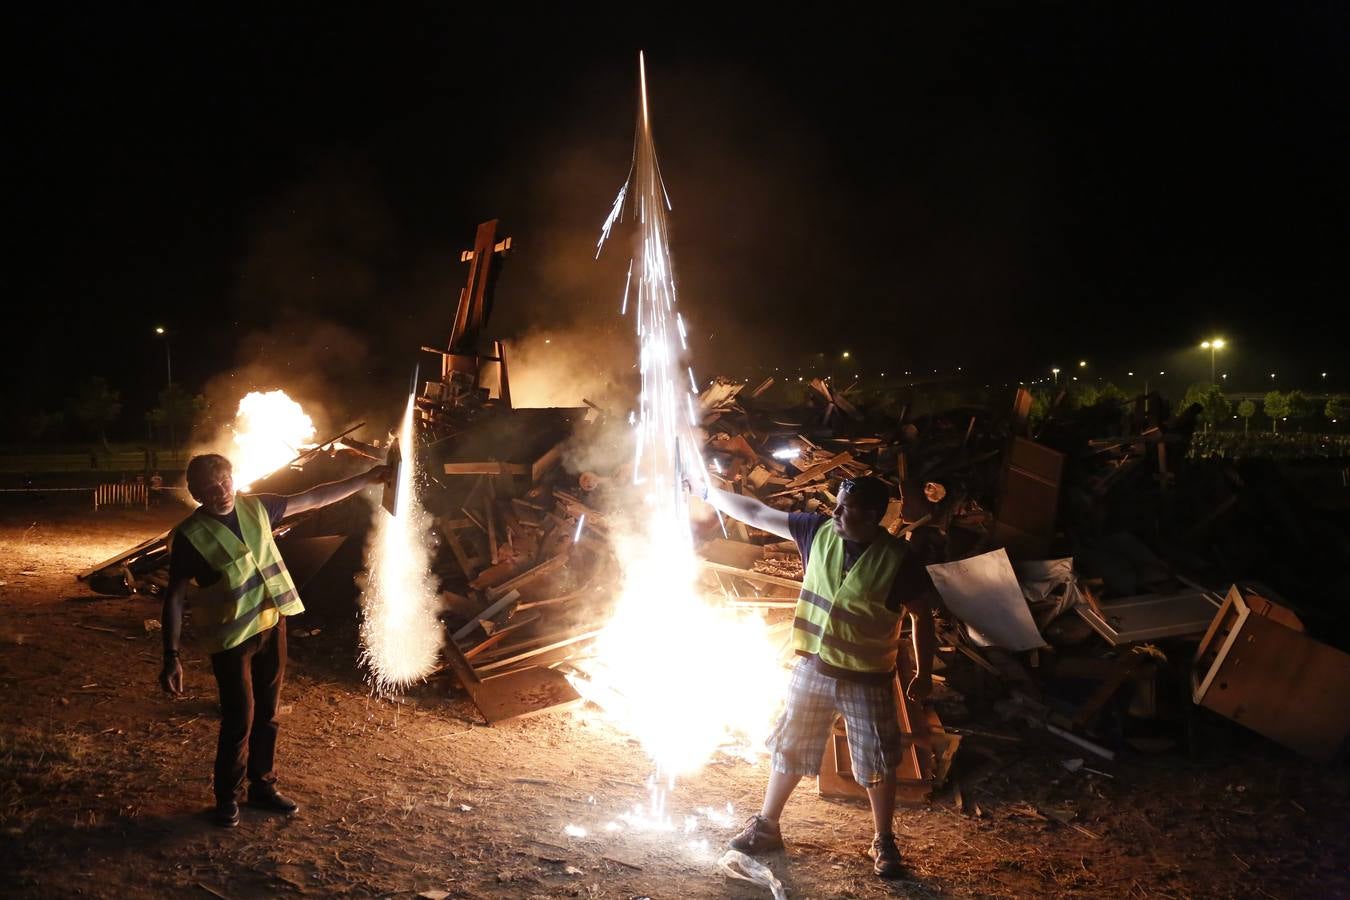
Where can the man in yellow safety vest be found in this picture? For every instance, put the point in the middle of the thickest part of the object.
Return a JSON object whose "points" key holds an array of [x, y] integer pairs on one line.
{"points": [[858, 582], [246, 594]]}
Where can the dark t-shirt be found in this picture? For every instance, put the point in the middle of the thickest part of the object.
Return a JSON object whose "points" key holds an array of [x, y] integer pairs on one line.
{"points": [[908, 589], [186, 561]]}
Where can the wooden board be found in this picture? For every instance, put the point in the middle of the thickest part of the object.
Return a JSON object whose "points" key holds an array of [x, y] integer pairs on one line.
{"points": [[760, 577], [731, 553], [486, 467], [1028, 499], [1274, 680], [528, 692]]}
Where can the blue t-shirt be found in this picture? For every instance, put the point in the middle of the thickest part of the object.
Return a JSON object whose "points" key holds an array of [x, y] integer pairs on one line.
{"points": [[186, 561]]}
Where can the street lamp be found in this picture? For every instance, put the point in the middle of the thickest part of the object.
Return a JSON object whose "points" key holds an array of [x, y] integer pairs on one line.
{"points": [[168, 371], [1214, 345], [168, 356], [1055, 372]]}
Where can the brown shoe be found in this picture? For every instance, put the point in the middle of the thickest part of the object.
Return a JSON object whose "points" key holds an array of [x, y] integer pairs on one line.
{"points": [[758, 836], [886, 856]]}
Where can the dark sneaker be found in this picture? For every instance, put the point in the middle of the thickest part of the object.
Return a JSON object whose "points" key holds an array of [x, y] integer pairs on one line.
{"points": [[264, 796], [226, 814], [758, 836], [886, 856]]}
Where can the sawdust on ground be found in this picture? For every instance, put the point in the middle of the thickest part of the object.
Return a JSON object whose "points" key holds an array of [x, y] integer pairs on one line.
{"points": [[104, 784]]}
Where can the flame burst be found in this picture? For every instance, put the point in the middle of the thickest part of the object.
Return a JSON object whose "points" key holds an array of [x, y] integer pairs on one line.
{"points": [[676, 672], [269, 430], [400, 634]]}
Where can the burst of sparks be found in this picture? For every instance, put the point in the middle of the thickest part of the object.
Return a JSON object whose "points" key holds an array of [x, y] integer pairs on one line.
{"points": [[400, 634], [642, 675]]}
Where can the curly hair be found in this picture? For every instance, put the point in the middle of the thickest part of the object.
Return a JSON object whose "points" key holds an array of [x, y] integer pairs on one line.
{"points": [[867, 492]]}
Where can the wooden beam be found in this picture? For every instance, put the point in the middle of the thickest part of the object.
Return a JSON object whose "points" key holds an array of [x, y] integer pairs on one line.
{"points": [[486, 467], [546, 567], [502, 602], [751, 576], [574, 639], [820, 469], [500, 633], [460, 556]]}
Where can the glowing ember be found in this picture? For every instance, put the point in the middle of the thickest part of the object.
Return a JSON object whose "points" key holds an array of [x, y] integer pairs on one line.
{"points": [[674, 671], [400, 634], [269, 430]]}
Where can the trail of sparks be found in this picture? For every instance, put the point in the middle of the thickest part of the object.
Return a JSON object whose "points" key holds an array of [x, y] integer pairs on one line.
{"points": [[678, 673], [400, 634]]}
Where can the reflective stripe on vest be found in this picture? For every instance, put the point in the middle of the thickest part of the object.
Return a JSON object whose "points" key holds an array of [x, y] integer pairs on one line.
{"points": [[842, 618], [254, 590]]}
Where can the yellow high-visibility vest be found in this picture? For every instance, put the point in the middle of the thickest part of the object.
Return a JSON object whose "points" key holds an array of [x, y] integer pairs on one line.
{"points": [[255, 589], [842, 618]]}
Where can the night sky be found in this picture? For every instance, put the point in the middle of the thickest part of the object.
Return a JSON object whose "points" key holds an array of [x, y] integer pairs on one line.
{"points": [[1002, 190]]}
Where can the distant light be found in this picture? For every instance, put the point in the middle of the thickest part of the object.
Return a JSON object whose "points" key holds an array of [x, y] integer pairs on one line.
{"points": [[1272, 374], [1162, 373], [1131, 374], [1082, 363], [1075, 378], [548, 340], [159, 329], [1324, 374], [845, 354], [787, 453]]}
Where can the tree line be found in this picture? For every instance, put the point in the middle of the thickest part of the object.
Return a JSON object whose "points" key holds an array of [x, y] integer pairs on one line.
{"points": [[1293, 407], [96, 407]]}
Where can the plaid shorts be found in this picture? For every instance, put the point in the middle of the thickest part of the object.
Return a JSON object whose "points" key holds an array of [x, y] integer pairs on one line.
{"points": [[871, 718]]}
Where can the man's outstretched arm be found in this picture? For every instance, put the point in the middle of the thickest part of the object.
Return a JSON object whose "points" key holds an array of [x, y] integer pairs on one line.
{"points": [[324, 494], [751, 512]]}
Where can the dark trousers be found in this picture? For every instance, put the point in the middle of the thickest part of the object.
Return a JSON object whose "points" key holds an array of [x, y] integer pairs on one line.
{"points": [[249, 677]]}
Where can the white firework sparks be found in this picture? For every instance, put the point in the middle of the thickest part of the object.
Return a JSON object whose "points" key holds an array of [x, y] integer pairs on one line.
{"points": [[400, 634], [678, 673]]}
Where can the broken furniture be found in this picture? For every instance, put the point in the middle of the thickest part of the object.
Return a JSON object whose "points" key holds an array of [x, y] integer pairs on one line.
{"points": [[1259, 668], [1150, 617]]}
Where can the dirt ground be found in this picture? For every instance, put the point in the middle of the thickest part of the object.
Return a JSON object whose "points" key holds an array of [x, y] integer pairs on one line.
{"points": [[104, 783]]}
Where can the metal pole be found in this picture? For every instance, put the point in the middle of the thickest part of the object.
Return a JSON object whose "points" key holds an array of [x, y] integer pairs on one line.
{"points": [[168, 396]]}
